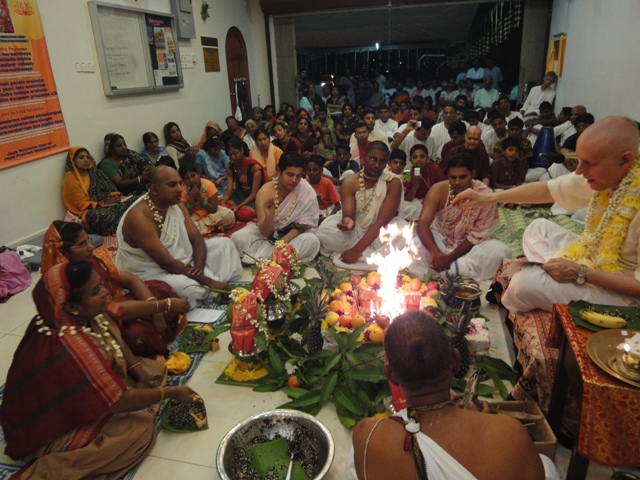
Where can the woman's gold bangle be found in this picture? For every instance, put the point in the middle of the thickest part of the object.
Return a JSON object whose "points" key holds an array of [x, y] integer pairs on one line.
{"points": [[150, 298], [168, 305], [133, 366]]}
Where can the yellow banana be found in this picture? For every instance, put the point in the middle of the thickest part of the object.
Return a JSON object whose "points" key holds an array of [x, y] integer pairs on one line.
{"points": [[602, 320], [203, 328]]}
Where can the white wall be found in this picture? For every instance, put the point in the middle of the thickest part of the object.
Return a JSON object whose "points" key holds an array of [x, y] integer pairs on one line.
{"points": [[30, 192], [602, 64]]}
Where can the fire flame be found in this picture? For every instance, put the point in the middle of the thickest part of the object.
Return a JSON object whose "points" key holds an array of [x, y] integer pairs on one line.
{"points": [[399, 243]]}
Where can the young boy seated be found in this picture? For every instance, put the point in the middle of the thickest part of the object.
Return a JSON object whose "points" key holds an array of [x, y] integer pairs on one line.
{"points": [[342, 166], [514, 131], [327, 195], [200, 196], [422, 176], [397, 162], [509, 169]]}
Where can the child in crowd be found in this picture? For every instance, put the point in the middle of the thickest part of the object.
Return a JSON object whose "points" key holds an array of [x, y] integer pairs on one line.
{"points": [[327, 195], [422, 176], [342, 166], [212, 163], [397, 162], [510, 169], [200, 197]]}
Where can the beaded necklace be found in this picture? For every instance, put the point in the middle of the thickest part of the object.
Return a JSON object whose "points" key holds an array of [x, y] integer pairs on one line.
{"points": [[365, 203], [157, 216], [434, 406], [606, 227], [276, 201]]}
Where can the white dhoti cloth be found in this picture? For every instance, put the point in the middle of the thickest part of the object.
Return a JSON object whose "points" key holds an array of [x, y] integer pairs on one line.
{"points": [[440, 464], [252, 243], [335, 242], [222, 261], [299, 207], [481, 263], [412, 209], [532, 287], [535, 174]]}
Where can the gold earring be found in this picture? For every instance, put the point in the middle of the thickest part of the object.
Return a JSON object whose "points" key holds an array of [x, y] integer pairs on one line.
{"points": [[75, 312]]}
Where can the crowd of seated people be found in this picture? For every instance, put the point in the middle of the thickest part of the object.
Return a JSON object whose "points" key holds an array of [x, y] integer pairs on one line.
{"points": [[325, 177]]}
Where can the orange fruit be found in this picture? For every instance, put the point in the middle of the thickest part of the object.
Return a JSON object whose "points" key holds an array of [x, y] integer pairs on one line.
{"points": [[415, 284], [376, 334], [373, 278], [345, 321], [357, 320], [331, 318], [346, 287], [294, 382], [336, 306]]}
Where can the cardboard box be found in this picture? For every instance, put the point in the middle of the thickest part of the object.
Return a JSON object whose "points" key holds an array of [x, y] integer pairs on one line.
{"points": [[547, 446]]}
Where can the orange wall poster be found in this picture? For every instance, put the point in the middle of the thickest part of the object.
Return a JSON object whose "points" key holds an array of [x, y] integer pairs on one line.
{"points": [[31, 122]]}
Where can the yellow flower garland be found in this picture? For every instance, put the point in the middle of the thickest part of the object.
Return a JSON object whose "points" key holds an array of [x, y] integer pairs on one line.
{"points": [[609, 215]]}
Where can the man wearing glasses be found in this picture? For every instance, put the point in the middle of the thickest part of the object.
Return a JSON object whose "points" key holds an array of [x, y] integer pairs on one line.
{"points": [[370, 200]]}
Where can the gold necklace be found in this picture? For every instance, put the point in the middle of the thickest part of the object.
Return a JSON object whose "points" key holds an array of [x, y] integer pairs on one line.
{"points": [[157, 216], [450, 197], [433, 406], [366, 201], [276, 201]]}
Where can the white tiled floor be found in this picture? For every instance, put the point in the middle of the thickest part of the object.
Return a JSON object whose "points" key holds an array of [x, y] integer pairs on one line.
{"points": [[193, 455]]}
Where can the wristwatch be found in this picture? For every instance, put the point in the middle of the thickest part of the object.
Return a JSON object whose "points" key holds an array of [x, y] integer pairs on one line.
{"points": [[581, 278]]}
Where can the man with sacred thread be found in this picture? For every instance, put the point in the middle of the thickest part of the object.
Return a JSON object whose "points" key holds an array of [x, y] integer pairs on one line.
{"points": [[601, 265], [453, 239], [158, 240], [371, 200], [287, 210]]}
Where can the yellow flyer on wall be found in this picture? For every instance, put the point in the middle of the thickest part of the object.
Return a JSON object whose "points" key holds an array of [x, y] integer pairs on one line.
{"points": [[31, 121]]}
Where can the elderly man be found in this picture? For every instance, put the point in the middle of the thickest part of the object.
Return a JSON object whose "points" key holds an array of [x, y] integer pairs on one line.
{"points": [[486, 96], [371, 200], [158, 241], [601, 265], [473, 147], [454, 239]]}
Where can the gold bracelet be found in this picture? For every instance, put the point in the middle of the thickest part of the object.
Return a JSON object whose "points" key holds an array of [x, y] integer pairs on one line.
{"points": [[161, 393], [157, 306], [168, 305], [150, 298], [133, 366]]}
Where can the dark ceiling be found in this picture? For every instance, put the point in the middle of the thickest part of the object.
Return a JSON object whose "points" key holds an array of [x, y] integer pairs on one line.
{"points": [[330, 24]]}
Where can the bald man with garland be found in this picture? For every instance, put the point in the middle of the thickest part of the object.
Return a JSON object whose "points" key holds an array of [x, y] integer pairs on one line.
{"points": [[601, 265]]}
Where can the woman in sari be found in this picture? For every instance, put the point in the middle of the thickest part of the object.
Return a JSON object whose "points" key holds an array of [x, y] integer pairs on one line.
{"points": [[144, 329], [152, 150], [287, 210], [178, 148], [89, 194], [128, 170], [247, 178], [233, 127], [76, 399], [259, 116], [346, 123], [266, 153], [283, 139], [335, 101], [306, 136], [211, 129]]}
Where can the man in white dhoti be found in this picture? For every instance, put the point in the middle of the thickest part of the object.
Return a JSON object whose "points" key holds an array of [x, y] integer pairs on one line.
{"points": [[370, 200], [287, 210], [601, 265], [158, 241], [453, 239]]}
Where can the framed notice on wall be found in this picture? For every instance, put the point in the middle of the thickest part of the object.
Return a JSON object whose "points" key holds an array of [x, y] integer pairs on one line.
{"points": [[137, 49]]}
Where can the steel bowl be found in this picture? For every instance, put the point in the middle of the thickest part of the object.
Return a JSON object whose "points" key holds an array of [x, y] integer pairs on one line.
{"points": [[314, 436]]}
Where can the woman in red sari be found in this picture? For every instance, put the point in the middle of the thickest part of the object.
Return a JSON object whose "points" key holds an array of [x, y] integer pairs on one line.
{"points": [[146, 326], [76, 399]]}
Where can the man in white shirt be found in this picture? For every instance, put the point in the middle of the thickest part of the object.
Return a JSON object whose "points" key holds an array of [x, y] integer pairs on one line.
{"points": [[493, 135], [476, 73], [384, 123], [440, 132], [414, 133], [539, 94], [494, 71], [504, 107], [485, 97]]}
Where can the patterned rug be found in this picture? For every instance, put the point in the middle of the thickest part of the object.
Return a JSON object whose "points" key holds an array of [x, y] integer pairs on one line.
{"points": [[8, 466], [513, 222]]}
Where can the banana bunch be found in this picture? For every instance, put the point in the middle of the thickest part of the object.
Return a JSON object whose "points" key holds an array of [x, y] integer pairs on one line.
{"points": [[602, 320]]}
